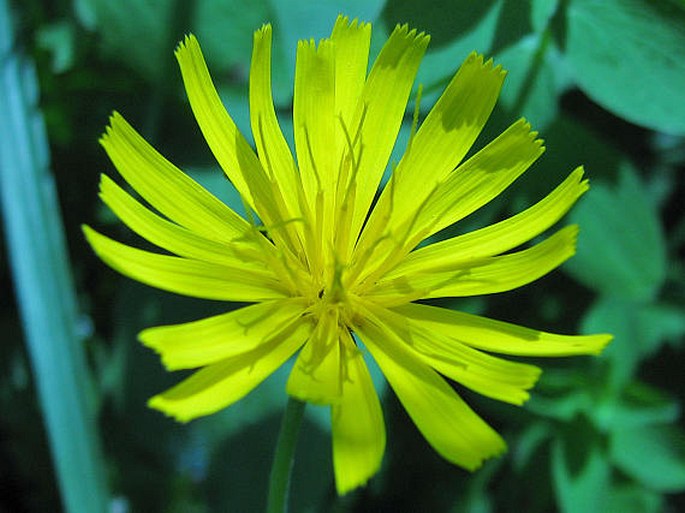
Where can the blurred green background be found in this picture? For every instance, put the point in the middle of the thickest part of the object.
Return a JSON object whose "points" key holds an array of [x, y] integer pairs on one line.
{"points": [[604, 83]]}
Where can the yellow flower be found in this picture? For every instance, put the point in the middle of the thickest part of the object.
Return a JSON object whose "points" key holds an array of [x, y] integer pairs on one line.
{"points": [[329, 264]]}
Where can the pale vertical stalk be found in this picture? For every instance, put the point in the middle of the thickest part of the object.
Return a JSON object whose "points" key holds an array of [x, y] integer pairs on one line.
{"points": [[43, 284]]}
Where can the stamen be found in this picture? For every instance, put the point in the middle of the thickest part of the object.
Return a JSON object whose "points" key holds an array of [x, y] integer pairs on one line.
{"points": [[342, 234], [401, 248], [336, 292]]}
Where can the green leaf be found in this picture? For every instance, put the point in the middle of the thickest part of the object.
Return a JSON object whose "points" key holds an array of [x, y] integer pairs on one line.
{"points": [[214, 180], [475, 497], [303, 19], [661, 323], [627, 56], [639, 331], [563, 395], [445, 30], [580, 471], [85, 13], [474, 29], [59, 39], [642, 405], [652, 455], [528, 442], [225, 28], [623, 355], [531, 88], [632, 498], [621, 248], [138, 34], [541, 11]]}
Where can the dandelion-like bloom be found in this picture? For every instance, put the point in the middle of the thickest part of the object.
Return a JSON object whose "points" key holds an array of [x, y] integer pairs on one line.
{"points": [[325, 264]]}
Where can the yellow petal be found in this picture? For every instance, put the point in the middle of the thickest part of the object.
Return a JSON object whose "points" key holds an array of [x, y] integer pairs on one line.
{"points": [[316, 376], [272, 147], [351, 41], [445, 420], [193, 278], [478, 180], [497, 336], [446, 135], [488, 375], [379, 114], [358, 427], [175, 238], [314, 123], [485, 276], [470, 186], [228, 145], [223, 383], [499, 237], [166, 187], [207, 341]]}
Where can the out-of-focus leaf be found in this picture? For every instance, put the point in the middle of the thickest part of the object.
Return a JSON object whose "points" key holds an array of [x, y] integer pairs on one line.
{"points": [[568, 144], [445, 20], [562, 395], [580, 471], [85, 12], [304, 19], [214, 180], [652, 455], [475, 30], [59, 39], [475, 498], [639, 331], [632, 498], [661, 323], [623, 404], [624, 353], [530, 89], [528, 442], [541, 11], [642, 405], [621, 248], [627, 56], [225, 28], [131, 375], [236, 102], [137, 33]]}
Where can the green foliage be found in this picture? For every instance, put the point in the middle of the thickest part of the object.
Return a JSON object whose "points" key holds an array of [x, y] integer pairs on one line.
{"points": [[652, 455], [580, 470], [604, 83], [120, 26], [647, 87], [621, 252]]}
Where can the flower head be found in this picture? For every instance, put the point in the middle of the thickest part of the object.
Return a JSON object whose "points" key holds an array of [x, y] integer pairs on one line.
{"points": [[325, 263]]}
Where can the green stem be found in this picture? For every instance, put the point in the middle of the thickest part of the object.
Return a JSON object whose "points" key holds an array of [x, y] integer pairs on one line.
{"points": [[279, 480]]}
